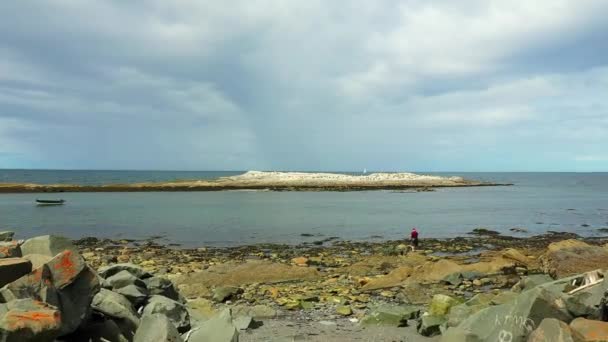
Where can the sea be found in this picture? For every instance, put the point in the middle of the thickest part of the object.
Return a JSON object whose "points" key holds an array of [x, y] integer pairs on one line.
{"points": [[536, 202]]}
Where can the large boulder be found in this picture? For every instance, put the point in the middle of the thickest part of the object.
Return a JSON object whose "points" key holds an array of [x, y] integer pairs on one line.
{"points": [[175, 311], [118, 308], [570, 257], [157, 327], [12, 269], [10, 249], [513, 321], [49, 245], [586, 330], [583, 302], [217, 329], [553, 330], [29, 320], [392, 315]]}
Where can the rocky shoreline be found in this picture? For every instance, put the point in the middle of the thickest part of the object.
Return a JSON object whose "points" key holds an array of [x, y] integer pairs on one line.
{"points": [[269, 181], [338, 291]]}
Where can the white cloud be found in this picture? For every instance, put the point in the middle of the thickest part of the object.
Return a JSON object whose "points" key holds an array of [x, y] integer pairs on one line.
{"points": [[276, 84]]}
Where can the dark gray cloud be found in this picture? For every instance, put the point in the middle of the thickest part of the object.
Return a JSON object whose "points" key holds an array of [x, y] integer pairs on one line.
{"points": [[341, 85]]}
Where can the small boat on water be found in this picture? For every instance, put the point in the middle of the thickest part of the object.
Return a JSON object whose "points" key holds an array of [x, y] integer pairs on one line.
{"points": [[49, 202]]}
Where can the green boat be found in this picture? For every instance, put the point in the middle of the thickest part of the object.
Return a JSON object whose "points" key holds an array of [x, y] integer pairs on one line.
{"points": [[49, 202]]}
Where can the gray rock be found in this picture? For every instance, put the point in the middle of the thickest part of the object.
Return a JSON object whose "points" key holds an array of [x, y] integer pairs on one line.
{"points": [[118, 307], [553, 330], [49, 245], [29, 320], [242, 322], [470, 275], [135, 294], [175, 311], [163, 287], [224, 293], [430, 325], [157, 327], [257, 311], [515, 319], [6, 235], [217, 329], [12, 269], [138, 272], [124, 278], [10, 249], [453, 279], [391, 315]]}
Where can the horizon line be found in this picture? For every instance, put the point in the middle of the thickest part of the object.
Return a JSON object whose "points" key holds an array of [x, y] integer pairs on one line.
{"points": [[292, 170]]}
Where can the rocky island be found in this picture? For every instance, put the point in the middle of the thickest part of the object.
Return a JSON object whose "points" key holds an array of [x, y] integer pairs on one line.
{"points": [[275, 181]]}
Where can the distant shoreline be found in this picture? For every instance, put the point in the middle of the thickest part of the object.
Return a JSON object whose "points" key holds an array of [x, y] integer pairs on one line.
{"points": [[272, 181]]}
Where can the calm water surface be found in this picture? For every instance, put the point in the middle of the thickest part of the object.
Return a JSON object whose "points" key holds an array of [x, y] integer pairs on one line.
{"points": [[537, 201]]}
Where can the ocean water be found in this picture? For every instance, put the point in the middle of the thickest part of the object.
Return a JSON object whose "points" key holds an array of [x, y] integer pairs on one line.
{"points": [[575, 202]]}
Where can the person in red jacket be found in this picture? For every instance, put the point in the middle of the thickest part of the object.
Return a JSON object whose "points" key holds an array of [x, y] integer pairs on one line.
{"points": [[414, 239]]}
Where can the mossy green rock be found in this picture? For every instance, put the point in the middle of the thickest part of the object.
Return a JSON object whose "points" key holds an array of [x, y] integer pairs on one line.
{"points": [[344, 310], [441, 304]]}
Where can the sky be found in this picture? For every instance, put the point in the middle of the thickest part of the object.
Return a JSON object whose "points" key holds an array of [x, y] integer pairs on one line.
{"points": [[420, 85]]}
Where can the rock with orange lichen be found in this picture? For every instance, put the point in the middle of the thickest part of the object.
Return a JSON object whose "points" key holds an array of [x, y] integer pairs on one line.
{"points": [[37, 285], [29, 320], [65, 282], [76, 284], [10, 249]]}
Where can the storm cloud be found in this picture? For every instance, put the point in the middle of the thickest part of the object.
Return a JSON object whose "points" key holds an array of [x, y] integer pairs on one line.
{"points": [[307, 85]]}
